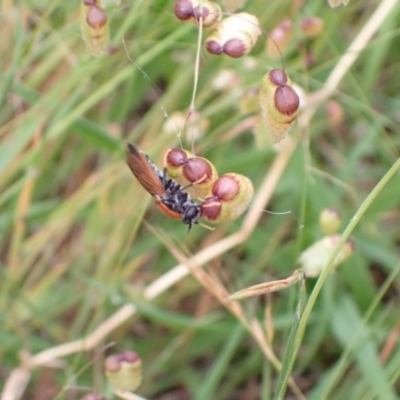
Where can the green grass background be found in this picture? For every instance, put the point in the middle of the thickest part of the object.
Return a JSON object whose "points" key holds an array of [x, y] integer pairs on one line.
{"points": [[73, 246]]}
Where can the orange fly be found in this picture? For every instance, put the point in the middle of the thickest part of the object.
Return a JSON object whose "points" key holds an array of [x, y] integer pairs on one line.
{"points": [[169, 196]]}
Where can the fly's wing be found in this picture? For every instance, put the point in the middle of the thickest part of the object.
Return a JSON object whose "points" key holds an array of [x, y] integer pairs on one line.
{"points": [[143, 171]]}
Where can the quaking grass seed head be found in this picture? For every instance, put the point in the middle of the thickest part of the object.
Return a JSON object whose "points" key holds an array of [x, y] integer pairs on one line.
{"points": [[96, 17], [95, 27], [314, 258], [231, 195], [279, 103], [234, 36], [124, 370], [183, 10], [187, 169], [192, 10]]}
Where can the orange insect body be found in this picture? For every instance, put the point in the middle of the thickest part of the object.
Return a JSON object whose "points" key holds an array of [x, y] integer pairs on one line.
{"points": [[168, 194]]}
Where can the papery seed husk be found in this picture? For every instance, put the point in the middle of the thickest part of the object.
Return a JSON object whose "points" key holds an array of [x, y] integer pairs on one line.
{"points": [[211, 13], [95, 28], [186, 168], [237, 190], [241, 26], [314, 259], [127, 376], [273, 94], [240, 203], [192, 10]]}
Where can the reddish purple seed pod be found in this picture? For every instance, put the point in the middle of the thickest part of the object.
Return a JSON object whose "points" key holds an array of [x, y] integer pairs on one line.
{"points": [[234, 48], [214, 47], [226, 188], [176, 157], [113, 363], [197, 168], [183, 10], [96, 17], [278, 77], [210, 209], [286, 100], [197, 14]]}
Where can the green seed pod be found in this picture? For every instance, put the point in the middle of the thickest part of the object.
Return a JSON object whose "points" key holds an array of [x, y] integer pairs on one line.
{"points": [[314, 258], [231, 195], [279, 103], [330, 221], [235, 36], [95, 27], [124, 371]]}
